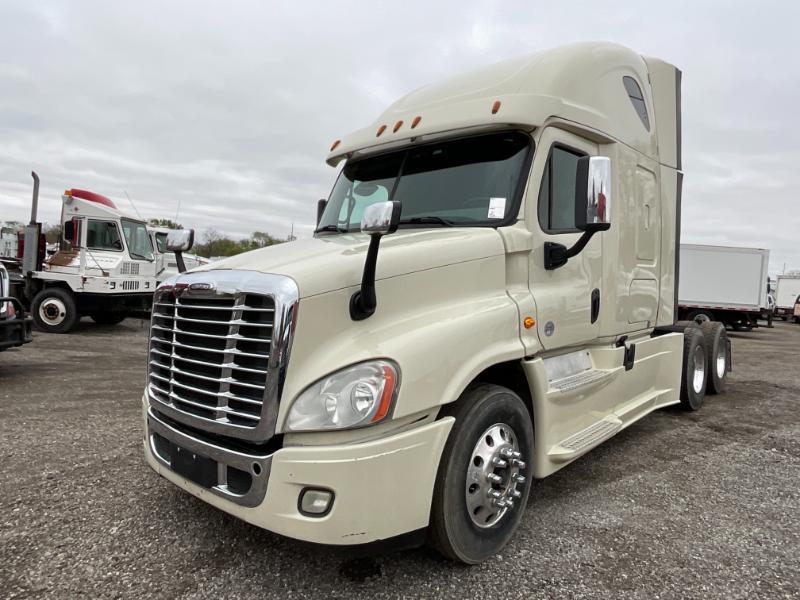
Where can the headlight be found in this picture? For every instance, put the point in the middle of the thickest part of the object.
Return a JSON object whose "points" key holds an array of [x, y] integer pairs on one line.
{"points": [[353, 397]]}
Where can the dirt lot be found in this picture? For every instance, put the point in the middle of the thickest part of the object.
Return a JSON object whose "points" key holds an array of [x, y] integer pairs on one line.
{"points": [[702, 505]]}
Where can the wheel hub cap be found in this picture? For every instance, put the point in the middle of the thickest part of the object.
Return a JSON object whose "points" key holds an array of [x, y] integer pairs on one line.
{"points": [[699, 361], [721, 360], [493, 474], [52, 311]]}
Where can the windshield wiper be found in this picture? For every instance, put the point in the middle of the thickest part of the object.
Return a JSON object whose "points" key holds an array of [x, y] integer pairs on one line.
{"points": [[331, 228], [135, 255], [427, 221]]}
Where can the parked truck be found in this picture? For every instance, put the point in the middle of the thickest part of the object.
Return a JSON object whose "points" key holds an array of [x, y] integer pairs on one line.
{"points": [[787, 291], [105, 265], [15, 324], [723, 283], [491, 292]]}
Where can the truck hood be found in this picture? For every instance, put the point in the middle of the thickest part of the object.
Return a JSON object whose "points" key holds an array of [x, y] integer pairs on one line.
{"points": [[333, 262]]}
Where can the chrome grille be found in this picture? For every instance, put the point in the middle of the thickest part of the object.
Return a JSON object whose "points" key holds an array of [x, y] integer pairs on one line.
{"points": [[219, 345], [209, 356]]}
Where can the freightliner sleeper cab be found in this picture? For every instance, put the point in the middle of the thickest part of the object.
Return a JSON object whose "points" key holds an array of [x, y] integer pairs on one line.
{"points": [[490, 293]]}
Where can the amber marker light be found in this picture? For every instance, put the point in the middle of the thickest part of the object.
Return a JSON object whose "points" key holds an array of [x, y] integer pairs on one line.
{"points": [[495, 107], [416, 121], [386, 397], [397, 126], [336, 143], [529, 322], [381, 129]]}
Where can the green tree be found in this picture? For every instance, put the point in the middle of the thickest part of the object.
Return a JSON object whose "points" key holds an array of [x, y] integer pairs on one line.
{"points": [[164, 223]]}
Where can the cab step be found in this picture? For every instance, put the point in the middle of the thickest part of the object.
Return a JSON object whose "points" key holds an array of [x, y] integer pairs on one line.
{"points": [[571, 382], [587, 438]]}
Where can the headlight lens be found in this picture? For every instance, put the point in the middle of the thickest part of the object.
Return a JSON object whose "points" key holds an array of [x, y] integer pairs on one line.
{"points": [[353, 397]]}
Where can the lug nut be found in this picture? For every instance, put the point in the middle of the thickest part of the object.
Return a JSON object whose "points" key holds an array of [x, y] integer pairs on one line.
{"points": [[494, 494], [494, 478], [519, 464], [510, 503], [516, 455], [507, 452], [516, 494], [499, 462], [501, 503], [519, 478]]}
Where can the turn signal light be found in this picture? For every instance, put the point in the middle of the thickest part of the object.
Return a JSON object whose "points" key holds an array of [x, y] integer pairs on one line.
{"points": [[495, 107], [381, 129]]}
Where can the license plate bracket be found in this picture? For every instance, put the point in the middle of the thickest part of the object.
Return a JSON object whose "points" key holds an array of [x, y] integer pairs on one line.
{"points": [[194, 467]]}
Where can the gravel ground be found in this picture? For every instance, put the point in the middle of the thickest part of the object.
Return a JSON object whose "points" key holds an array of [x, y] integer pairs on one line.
{"points": [[702, 505]]}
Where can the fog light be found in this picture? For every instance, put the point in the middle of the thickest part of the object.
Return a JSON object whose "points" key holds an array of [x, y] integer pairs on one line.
{"points": [[315, 502]]}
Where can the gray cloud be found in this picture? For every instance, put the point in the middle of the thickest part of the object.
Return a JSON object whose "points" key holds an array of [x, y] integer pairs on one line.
{"points": [[229, 108]]}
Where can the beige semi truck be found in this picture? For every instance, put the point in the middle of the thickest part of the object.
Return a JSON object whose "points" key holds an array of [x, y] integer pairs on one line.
{"points": [[491, 292]]}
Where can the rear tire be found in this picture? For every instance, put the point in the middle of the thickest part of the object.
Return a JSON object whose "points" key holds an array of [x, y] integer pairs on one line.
{"points": [[695, 372], [701, 316], [471, 519], [108, 317], [716, 342], [54, 310]]}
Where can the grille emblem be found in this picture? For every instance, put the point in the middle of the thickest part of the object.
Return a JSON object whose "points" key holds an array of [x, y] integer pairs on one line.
{"points": [[204, 287]]}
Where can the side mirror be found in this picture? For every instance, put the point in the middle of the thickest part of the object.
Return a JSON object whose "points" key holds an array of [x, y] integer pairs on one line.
{"points": [[593, 193], [180, 240], [592, 208], [379, 219], [321, 204], [69, 231]]}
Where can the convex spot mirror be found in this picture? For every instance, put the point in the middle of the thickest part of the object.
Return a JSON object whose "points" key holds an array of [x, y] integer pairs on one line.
{"points": [[381, 218], [593, 194], [180, 240]]}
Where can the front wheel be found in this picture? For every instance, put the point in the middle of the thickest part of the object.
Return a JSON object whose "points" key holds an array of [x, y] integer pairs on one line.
{"points": [[482, 484], [54, 310]]}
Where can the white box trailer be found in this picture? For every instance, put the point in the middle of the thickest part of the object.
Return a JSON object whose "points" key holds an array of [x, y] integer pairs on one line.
{"points": [[786, 292], [723, 283]]}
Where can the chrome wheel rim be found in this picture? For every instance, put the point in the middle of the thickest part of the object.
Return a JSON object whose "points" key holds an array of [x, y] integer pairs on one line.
{"points": [[699, 362], [493, 474], [721, 359], [52, 311]]}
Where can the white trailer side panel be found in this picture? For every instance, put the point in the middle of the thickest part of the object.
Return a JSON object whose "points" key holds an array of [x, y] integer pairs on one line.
{"points": [[787, 290], [723, 277]]}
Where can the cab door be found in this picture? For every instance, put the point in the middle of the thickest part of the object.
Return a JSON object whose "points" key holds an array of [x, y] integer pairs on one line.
{"points": [[568, 298]]}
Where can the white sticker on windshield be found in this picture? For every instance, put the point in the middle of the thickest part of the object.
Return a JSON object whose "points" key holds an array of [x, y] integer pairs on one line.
{"points": [[497, 208]]}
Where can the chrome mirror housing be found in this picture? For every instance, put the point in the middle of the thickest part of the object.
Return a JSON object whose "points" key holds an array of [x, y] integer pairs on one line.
{"points": [[380, 218], [180, 240]]}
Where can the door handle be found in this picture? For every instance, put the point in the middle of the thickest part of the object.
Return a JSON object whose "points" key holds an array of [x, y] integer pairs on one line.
{"points": [[595, 304]]}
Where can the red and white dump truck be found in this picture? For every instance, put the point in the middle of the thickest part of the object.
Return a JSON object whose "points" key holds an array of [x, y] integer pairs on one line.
{"points": [[105, 266]]}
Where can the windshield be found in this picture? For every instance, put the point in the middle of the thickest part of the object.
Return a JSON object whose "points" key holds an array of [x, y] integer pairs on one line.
{"points": [[470, 181], [139, 244]]}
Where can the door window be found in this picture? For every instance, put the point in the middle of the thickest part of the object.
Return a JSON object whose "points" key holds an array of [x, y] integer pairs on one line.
{"points": [[557, 193], [103, 235]]}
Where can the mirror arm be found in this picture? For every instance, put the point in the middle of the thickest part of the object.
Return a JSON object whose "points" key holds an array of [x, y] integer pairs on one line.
{"points": [[180, 261], [364, 301], [321, 204], [556, 255]]}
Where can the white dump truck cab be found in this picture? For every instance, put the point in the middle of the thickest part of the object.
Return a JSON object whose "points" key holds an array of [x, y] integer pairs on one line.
{"points": [[104, 266], [166, 260], [490, 293]]}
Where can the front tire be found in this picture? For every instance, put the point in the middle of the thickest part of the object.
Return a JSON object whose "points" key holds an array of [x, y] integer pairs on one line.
{"points": [[483, 480], [54, 310]]}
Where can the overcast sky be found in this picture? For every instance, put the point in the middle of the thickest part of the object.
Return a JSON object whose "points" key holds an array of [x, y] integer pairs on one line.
{"points": [[229, 108]]}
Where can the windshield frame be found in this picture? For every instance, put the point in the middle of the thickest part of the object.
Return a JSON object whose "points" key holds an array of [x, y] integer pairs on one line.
{"points": [[512, 215], [128, 245]]}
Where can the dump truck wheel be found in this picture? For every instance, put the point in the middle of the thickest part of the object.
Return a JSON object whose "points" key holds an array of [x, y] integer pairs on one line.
{"points": [[54, 310], [484, 475], [716, 340], [695, 369], [108, 317]]}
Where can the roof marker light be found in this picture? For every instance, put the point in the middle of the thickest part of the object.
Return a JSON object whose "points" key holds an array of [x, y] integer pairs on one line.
{"points": [[495, 107], [397, 126], [336, 143], [381, 129], [416, 121]]}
